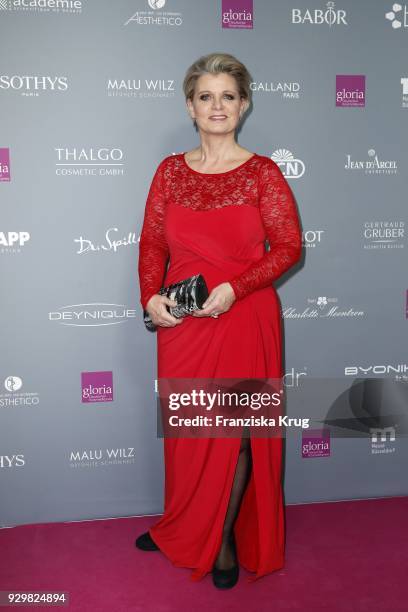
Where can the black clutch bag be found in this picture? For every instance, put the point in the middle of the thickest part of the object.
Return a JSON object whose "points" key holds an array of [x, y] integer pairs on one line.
{"points": [[190, 295]]}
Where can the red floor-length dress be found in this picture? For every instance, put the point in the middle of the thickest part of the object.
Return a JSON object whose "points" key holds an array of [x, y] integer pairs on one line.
{"points": [[216, 225]]}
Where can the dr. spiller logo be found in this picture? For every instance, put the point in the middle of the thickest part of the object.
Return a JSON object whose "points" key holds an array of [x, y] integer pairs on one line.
{"points": [[97, 387], [350, 90], [92, 315], [237, 14]]}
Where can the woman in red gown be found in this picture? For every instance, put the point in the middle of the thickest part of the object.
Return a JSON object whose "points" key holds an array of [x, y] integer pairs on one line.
{"points": [[209, 211]]}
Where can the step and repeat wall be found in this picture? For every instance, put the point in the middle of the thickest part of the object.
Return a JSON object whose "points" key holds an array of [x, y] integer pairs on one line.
{"points": [[91, 102]]}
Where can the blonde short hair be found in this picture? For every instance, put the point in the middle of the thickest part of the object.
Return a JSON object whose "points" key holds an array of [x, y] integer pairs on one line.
{"points": [[214, 63]]}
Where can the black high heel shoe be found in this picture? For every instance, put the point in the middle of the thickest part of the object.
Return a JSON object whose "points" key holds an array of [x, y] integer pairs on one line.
{"points": [[227, 578], [145, 542]]}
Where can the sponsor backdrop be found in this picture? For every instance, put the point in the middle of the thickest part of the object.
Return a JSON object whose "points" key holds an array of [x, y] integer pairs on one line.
{"points": [[91, 99]]}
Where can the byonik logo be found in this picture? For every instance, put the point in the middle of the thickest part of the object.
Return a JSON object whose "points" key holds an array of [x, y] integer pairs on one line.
{"points": [[100, 457], [12, 242], [156, 16], [372, 165], [4, 164], [289, 90], [399, 370], [141, 88], [237, 14], [14, 396], [350, 90], [291, 167], [33, 85], [103, 161], [112, 244], [328, 16], [97, 387], [398, 16], [404, 83], [42, 6], [94, 314], [315, 443], [383, 235], [10, 461], [322, 307], [312, 238]]}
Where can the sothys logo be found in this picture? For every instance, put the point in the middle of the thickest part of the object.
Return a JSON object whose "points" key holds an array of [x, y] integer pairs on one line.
{"points": [[398, 16], [10, 461], [328, 16], [291, 166]]}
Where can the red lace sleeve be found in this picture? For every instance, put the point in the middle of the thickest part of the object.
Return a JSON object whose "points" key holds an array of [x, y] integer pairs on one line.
{"points": [[282, 227], [153, 248]]}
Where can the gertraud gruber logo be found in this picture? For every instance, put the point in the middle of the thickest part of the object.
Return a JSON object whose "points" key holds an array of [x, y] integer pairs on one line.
{"points": [[291, 167], [398, 16], [92, 315], [328, 16], [373, 165], [383, 235]]}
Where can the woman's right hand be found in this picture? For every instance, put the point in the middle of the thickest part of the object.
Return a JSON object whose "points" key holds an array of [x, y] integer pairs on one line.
{"points": [[156, 307]]}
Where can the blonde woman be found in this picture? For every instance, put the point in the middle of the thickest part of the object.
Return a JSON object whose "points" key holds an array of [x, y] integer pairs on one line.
{"points": [[210, 211]]}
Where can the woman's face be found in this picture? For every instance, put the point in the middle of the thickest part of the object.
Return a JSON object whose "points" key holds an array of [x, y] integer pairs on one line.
{"points": [[216, 105]]}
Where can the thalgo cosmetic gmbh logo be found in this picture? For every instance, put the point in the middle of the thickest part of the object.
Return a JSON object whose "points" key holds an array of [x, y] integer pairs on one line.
{"points": [[92, 161], [291, 166], [237, 14], [350, 90], [92, 315], [328, 16], [398, 16], [97, 387]]}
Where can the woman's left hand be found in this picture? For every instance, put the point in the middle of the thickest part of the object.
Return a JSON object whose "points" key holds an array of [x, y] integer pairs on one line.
{"points": [[220, 300]]}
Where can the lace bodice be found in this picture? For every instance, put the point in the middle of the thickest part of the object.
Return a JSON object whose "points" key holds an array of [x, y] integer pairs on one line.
{"points": [[257, 182]]}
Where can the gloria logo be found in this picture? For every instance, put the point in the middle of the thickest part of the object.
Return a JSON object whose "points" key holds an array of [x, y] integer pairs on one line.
{"points": [[291, 166], [350, 90], [4, 164], [316, 443], [237, 14], [97, 387], [328, 16], [398, 16], [94, 314]]}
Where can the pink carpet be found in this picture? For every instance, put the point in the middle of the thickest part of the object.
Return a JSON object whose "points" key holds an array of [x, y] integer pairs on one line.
{"points": [[343, 555]]}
